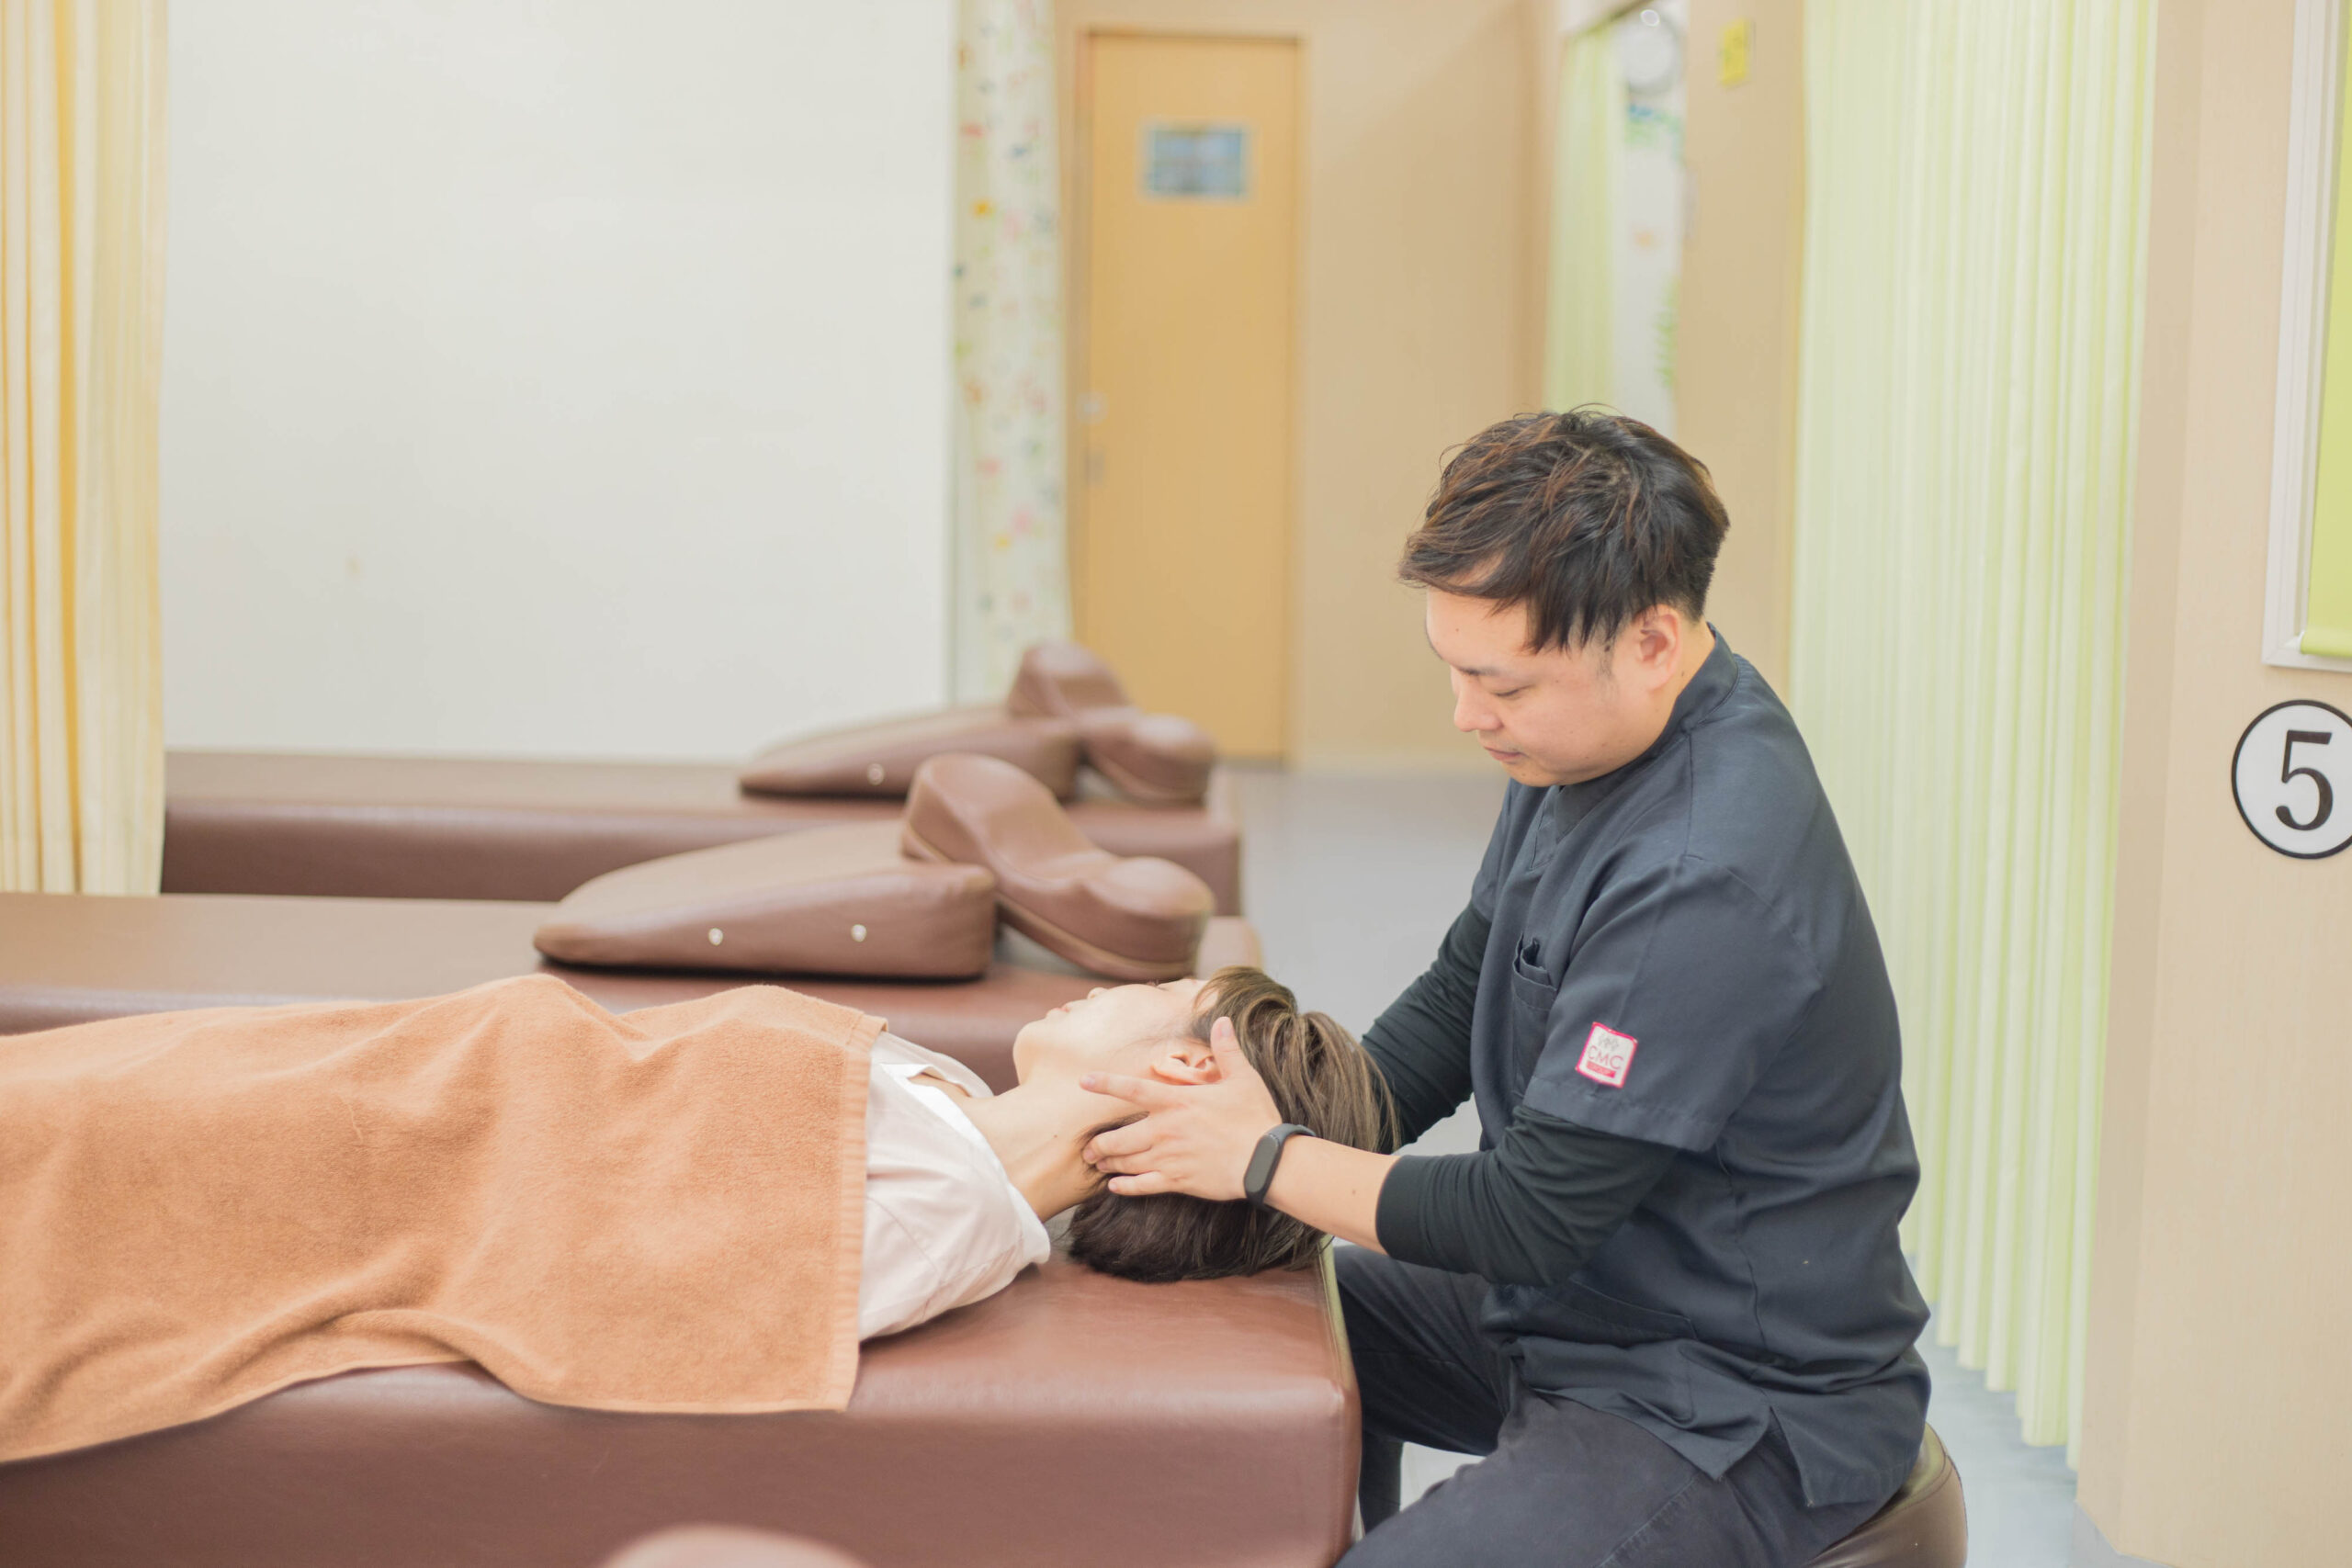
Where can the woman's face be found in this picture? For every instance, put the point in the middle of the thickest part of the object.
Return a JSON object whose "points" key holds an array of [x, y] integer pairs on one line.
{"points": [[1111, 1029]]}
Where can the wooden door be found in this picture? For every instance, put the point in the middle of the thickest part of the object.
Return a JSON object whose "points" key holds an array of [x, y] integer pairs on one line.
{"points": [[1181, 544]]}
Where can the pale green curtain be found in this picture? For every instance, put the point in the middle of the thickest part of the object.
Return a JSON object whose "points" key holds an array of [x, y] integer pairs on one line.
{"points": [[2327, 604], [1579, 343], [1011, 570], [1973, 240]]}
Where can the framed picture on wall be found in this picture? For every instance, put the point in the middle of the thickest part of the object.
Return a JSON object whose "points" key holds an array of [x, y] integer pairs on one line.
{"points": [[2307, 610]]}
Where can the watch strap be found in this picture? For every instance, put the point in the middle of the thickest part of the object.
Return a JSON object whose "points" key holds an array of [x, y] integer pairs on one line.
{"points": [[1264, 1158]]}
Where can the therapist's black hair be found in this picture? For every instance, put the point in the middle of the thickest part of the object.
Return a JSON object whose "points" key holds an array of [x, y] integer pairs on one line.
{"points": [[1320, 1078], [1588, 518]]}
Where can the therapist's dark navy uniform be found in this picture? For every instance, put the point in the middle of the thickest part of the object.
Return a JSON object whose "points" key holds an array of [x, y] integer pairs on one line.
{"points": [[1676, 954]]}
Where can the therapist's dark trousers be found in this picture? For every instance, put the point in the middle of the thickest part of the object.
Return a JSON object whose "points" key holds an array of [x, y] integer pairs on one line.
{"points": [[1562, 1486]]}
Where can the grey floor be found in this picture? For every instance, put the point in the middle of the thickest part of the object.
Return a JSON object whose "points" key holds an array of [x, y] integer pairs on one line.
{"points": [[1352, 879]]}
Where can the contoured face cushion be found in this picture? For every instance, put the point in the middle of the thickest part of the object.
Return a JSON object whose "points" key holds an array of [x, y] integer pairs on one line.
{"points": [[830, 901], [1156, 758], [1130, 918], [881, 759]]}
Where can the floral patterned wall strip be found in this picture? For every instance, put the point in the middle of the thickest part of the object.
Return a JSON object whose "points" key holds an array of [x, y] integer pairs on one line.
{"points": [[1651, 53], [1012, 585], [1617, 215]]}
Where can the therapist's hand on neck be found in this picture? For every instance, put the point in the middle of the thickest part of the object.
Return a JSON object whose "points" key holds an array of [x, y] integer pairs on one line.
{"points": [[1197, 1139]]}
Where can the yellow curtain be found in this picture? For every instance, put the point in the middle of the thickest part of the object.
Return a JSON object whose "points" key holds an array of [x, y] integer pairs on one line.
{"points": [[1011, 567], [81, 314], [1972, 285], [1579, 343]]}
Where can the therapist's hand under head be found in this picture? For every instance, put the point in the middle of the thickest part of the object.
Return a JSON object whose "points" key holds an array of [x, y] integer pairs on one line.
{"points": [[1194, 1138]]}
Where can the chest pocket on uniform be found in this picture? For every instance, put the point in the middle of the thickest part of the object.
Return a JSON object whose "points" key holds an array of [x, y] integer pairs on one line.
{"points": [[1530, 986], [1533, 992]]}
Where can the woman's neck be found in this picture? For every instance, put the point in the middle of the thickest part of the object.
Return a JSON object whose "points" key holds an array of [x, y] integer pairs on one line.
{"points": [[1037, 1130]]}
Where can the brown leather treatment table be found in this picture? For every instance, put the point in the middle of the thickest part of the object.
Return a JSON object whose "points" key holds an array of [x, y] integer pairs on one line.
{"points": [[349, 826], [69, 958], [1071, 1420]]}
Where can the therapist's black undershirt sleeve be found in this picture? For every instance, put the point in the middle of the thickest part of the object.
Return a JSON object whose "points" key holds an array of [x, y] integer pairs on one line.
{"points": [[1421, 1044], [1527, 1211]]}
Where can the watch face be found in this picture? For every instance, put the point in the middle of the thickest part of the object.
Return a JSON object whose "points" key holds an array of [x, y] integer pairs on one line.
{"points": [[1649, 52]]}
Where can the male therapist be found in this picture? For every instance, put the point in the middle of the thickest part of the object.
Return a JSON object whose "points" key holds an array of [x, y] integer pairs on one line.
{"points": [[1664, 1298]]}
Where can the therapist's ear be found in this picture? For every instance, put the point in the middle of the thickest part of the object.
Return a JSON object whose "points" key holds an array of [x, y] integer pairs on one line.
{"points": [[1186, 1061], [1653, 644]]}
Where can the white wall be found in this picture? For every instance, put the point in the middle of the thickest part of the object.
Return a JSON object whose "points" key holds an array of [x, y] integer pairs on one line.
{"points": [[556, 377]]}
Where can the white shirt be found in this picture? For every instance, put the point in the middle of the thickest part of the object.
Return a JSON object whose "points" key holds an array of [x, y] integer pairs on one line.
{"points": [[944, 1225]]}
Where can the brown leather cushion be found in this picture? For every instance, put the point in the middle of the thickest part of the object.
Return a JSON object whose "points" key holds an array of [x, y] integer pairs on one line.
{"points": [[1156, 758], [1064, 677], [830, 901], [1924, 1525], [1136, 919], [1069, 1421], [881, 759], [68, 958], [362, 826]]}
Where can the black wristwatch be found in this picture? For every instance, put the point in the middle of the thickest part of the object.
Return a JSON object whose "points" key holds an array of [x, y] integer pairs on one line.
{"points": [[1262, 1160]]}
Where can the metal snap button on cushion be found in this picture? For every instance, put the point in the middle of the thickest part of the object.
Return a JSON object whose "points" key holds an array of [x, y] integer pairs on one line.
{"points": [[874, 772], [716, 936], [858, 933]]}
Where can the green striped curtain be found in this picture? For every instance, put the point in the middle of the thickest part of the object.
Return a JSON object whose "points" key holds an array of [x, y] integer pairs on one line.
{"points": [[1970, 341], [1579, 340]]}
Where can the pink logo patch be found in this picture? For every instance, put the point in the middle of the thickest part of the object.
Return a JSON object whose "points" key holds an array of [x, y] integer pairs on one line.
{"points": [[1607, 1055]]}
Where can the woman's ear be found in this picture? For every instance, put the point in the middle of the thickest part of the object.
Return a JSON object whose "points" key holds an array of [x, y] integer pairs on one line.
{"points": [[1185, 1060]]}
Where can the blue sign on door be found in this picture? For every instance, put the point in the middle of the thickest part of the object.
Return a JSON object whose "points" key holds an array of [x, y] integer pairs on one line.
{"points": [[1201, 162]]}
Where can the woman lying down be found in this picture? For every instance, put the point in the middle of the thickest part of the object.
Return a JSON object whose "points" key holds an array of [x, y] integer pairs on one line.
{"points": [[701, 1207]]}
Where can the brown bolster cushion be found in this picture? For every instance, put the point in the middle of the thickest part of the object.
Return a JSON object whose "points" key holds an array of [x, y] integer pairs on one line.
{"points": [[1132, 918], [830, 901], [881, 759], [1156, 758]]}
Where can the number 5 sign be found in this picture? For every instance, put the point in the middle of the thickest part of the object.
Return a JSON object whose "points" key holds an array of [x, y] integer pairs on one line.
{"points": [[2293, 776]]}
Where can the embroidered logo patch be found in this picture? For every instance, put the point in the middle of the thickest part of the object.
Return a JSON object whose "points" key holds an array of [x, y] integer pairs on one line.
{"points": [[1607, 1055]]}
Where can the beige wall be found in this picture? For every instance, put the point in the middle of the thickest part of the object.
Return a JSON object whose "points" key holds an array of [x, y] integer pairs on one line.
{"points": [[1418, 319], [2218, 1399], [1736, 352]]}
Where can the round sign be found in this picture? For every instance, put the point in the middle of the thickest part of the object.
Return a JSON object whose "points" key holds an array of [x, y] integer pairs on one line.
{"points": [[1649, 53], [2294, 777]]}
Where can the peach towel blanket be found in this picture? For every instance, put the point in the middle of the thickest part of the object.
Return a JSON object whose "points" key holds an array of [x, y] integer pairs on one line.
{"points": [[657, 1211]]}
